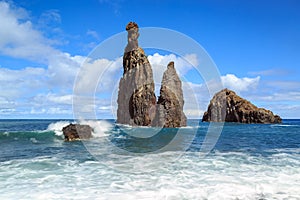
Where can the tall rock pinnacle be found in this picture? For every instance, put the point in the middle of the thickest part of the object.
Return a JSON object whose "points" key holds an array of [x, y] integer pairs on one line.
{"points": [[170, 102], [136, 97], [137, 104]]}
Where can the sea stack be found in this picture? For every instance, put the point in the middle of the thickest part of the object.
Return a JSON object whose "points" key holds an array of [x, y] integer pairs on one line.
{"points": [[137, 104], [227, 106], [170, 102], [136, 97]]}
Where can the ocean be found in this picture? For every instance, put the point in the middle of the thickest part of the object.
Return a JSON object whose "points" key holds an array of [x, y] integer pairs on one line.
{"points": [[244, 161]]}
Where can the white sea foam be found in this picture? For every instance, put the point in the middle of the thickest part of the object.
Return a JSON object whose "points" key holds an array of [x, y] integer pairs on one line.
{"points": [[100, 128], [57, 127], [218, 177], [284, 125], [6, 133], [34, 140]]}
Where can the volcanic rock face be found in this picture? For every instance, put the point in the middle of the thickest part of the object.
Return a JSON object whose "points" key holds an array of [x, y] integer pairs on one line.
{"points": [[136, 97], [227, 106], [76, 132], [170, 102]]}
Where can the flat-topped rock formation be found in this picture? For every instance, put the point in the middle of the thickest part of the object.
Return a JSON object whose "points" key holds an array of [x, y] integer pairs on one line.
{"points": [[137, 104], [136, 97], [170, 102], [227, 106], [74, 132]]}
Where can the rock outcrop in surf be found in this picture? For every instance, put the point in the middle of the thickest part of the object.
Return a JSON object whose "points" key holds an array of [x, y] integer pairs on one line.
{"points": [[74, 132], [137, 105], [227, 106]]}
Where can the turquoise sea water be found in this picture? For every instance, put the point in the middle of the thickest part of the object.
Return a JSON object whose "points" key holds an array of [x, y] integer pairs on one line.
{"points": [[249, 161]]}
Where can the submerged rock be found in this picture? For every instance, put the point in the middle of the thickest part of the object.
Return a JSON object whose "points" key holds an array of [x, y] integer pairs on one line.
{"points": [[136, 96], [227, 106], [170, 102], [77, 132]]}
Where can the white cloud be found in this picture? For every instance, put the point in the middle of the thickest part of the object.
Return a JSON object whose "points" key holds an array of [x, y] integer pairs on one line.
{"points": [[105, 75], [19, 39], [16, 83], [62, 70], [232, 82], [45, 89], [100, 74], [50, 17], [284, 85], [192, 59], [7, 111], [182, 64], [94, 34], [270, 72], [284, 96], [197, 96], [51, 98]]}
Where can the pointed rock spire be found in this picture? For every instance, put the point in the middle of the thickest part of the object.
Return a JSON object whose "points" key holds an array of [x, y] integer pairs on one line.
{"points": [[137, 104], [170, 102], [136, 97]]}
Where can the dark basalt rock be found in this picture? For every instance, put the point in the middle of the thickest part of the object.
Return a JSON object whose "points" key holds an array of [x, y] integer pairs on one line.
{"points": [[136, 96], [227, 106], [170, 102], [77, 132]]}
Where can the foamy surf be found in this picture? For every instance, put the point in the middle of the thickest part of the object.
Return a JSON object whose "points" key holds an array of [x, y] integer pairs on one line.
{"points": [[100, 127], [284, 125], [57, 127], [215, 177]]}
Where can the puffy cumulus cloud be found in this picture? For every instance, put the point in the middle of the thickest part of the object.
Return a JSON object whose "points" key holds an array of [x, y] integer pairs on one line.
{"points": [[6, 104], [19, 39], [16, 84], [232, 82], [62, 70], [52, 99], [182, 64], [197, 96], [24, 88], [60, 75], [100, 75]]}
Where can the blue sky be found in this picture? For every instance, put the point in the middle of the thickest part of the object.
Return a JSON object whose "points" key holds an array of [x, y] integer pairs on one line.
{"points": [[255, 45]]}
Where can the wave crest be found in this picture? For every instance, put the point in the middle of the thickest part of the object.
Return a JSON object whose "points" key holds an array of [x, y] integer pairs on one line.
{"points": [[101, 128]]}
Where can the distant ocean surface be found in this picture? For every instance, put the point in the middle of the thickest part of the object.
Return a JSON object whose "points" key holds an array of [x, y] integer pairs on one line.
{"points": [[249, 161]]}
